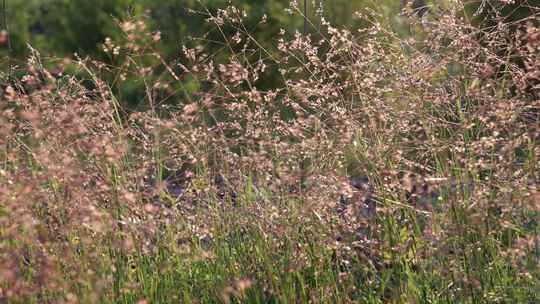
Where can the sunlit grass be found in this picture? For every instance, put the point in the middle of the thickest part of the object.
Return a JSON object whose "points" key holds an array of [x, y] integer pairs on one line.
{"points": [[379, 171]]}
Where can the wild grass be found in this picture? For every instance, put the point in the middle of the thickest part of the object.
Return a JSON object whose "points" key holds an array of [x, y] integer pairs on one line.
{"points": [[379, 170]]}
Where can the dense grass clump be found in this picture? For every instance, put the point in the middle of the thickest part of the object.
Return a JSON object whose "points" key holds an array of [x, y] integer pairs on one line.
{"points": [[380, 169]]}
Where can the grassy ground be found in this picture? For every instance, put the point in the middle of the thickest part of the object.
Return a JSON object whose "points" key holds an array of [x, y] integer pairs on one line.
{"points": [[382, 169]]}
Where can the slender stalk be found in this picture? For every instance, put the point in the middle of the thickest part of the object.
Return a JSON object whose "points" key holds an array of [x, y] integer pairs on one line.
{"points": [[305, 17]]}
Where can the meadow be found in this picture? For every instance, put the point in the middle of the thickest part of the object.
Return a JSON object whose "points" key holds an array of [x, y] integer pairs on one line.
{"points": [[372, 165]]}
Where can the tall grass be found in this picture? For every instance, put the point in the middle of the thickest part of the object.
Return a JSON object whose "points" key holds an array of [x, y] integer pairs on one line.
{"points": [[381, 169]]}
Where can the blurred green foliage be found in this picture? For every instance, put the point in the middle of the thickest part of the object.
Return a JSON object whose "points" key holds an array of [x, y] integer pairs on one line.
{"points": [[61, 27], [486, 13]]}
